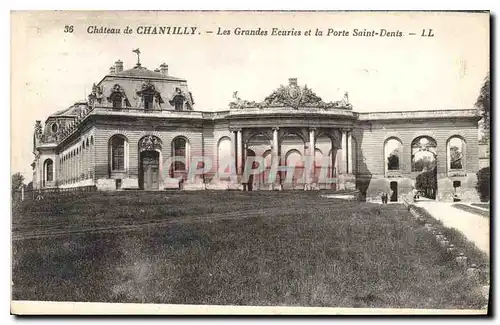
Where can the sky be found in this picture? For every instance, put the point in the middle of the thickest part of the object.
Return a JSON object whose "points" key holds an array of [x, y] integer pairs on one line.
{"points": [[51, 69]]}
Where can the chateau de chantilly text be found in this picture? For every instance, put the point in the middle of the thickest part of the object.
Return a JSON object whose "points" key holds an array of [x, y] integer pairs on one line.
{"points": [[257, 31]]}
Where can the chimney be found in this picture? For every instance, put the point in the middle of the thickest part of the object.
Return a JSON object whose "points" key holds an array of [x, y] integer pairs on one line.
{"points": [[112, 70], [118, 66], [164, 69]]}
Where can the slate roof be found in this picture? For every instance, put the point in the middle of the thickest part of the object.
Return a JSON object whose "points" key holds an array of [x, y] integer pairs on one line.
{"points": [[142, 72]]}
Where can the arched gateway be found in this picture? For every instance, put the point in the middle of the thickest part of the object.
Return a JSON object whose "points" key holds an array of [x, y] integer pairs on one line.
{"points": [[139, 119]]}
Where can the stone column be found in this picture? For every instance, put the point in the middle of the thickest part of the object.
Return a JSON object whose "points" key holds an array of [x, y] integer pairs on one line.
{"points": [[349, 168], [342, 161], [239, 152], [312, 155], [233, 149], [342, 154], [274, 154]]}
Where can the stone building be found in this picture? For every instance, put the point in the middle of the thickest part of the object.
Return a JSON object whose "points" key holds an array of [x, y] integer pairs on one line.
{"points": [[139, 129]]}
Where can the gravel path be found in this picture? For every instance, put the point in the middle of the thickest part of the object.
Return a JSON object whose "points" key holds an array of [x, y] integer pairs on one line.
{"points": [[475, 227]]}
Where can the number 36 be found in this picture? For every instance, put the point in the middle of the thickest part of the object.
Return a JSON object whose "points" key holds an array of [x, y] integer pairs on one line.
{"points": [[68, 29]]}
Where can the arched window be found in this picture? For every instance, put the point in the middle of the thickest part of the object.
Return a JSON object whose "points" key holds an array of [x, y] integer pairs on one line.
{"points": [[180, 152], [456, 153], [117, 97], [423, 154], [224, 155], [117, 148], [91, 139], [393, 151], [49, 170]]}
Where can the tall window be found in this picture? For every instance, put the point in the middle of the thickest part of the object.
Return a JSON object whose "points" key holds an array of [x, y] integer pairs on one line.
{"points": [[224, 155], [179, 146], [117, 147], [456, 153], [117, 96], [423, 154], [148, 102], [49, 170], [393, 150], [117, 102]]}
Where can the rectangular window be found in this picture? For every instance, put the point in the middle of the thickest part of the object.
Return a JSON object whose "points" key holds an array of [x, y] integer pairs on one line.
{"points": [[117, 103], [148, 102], [118, 157], [49, 172]]}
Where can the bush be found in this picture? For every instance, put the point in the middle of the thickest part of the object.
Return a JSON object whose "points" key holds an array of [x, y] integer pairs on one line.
{"points": [[483, 184]]}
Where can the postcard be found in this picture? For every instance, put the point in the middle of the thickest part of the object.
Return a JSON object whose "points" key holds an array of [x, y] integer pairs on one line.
{"points": [[250, 162]]}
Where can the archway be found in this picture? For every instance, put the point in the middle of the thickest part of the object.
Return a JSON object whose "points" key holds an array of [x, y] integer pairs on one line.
{"points": [[294, 177], [324, 162], [292, 145], [259, 145], [150, 163], [424, 163], [224, 158]]}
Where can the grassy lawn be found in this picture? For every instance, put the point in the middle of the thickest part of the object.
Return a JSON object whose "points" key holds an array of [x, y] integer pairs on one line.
{"points": [[238, 248], [470, 209]]}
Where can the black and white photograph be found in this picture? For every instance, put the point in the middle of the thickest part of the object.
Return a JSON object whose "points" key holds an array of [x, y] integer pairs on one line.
{"points": [[250, 162]]}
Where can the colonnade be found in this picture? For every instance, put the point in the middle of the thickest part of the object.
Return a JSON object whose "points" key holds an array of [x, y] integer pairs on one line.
{"points": [[341, 148]]}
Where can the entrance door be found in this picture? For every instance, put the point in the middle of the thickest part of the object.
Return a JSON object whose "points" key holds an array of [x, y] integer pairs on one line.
{"points": [[149, 170], [394, 189]]}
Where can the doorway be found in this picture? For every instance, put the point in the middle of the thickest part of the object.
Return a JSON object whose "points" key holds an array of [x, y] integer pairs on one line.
{"points": [[394, 189], [149, 170]]}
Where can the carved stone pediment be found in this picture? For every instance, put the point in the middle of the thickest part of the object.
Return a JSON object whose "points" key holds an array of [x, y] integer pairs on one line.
{"points": [[148, 89], [150, 142], [117, 92], [180, 100], [96, 95], [291, 96]]}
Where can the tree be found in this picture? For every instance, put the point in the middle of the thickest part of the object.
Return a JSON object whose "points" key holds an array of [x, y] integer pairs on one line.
{"points": [[455, 157], [17, 181], [483, 105], [426, 182], [393, 160], [483, 183]]}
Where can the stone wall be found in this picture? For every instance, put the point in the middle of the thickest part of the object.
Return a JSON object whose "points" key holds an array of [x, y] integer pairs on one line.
{"points": [[372, 178]]}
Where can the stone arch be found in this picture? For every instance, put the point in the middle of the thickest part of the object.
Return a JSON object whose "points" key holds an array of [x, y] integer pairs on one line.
{"points": [[424, 162], [393, 154], [291, 132], [456, 153], [224, 155], [423, 153], [334, 135], [259, 142], [294, 159]]}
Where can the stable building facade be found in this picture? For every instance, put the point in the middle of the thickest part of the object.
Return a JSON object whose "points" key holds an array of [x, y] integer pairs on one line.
{"points": [[139, 130]]}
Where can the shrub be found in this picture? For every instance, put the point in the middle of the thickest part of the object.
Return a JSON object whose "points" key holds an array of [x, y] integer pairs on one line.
{"points": [[483, 183]]}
